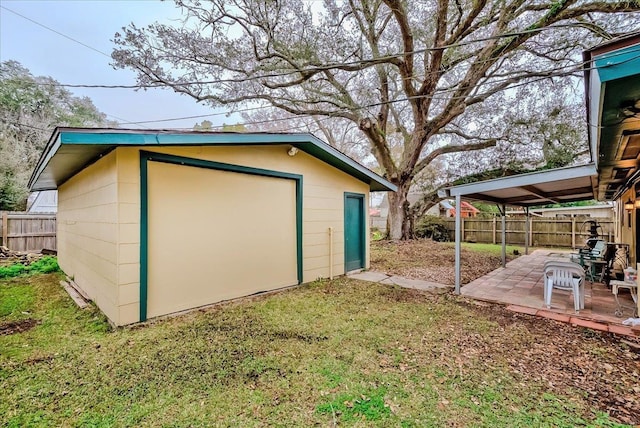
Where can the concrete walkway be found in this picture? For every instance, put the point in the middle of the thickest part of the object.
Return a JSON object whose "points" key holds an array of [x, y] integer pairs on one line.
{"points": [[383, 278]]}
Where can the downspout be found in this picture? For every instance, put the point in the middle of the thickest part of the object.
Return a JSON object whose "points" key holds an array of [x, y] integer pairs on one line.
{"points": [[331, 253]]}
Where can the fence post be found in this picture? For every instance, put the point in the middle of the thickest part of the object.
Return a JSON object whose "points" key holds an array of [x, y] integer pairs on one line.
{"points": [[573, 232], [493, 232], [503, 233], [526, 231], [531, 231], [462, 227], [5, 228]]}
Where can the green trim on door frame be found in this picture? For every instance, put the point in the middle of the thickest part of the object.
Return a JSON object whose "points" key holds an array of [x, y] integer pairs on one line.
{"points": [[363, 231], [145, 157]]}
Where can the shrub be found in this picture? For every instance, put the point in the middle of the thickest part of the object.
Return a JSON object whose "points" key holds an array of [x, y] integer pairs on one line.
{"points": [[377, 234], [46, 264], [432, 227]]}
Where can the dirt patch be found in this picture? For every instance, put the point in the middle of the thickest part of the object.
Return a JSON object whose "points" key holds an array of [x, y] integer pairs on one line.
{"points": [[408, 295], [430, 261], [13, 327]]}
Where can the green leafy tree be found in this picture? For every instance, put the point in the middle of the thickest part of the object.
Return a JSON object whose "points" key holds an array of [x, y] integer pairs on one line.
{"points": [[30, 107], [238, 127], [421, 80], [205, 125]]}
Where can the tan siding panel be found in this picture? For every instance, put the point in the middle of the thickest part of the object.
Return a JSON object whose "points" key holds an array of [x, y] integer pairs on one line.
{"points": [[129, 233], [130, 293], [334, 203], [129, 273], [129, 313], [87, 238], [322, 215]]}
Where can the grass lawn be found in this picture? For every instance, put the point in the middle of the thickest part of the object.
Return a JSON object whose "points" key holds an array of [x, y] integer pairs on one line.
{"points": [[333, 352], [493, 249]]}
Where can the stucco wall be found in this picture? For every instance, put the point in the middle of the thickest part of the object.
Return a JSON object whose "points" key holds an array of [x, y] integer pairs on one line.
{"points": [[87, 232], [323, 207]]}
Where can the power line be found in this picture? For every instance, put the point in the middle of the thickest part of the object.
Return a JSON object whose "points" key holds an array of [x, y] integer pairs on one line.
{"points": [[317, 68], [199, 116], [336, 113], [572, 69], [55, 31], [326, 67], [404, 99], [69, 38], [29, 126]]}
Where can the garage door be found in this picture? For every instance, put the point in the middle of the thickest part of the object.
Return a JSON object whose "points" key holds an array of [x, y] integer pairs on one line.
{"points": [[215, 235]]}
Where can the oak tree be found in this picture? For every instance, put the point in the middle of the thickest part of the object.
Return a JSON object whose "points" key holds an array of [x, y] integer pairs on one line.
{"points": [[413, 76]]}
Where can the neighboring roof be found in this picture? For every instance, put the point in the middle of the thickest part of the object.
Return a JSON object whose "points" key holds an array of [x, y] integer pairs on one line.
{"points": [[466, 206], [606, 206], [43, 202], [575, 183], [447, 205], [612, 87], [69, 150]]}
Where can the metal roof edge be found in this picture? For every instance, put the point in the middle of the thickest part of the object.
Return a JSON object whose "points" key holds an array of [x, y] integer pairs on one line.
{"points": [[614, 44], [47, 154], [525, 179]]}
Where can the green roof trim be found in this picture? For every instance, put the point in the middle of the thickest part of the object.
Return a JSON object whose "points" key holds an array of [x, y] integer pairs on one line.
{"points": [[618, 64], [70, 150]]}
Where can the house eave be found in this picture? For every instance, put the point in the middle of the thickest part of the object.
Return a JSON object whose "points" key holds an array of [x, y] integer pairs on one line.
{"points": [[69, 150]]}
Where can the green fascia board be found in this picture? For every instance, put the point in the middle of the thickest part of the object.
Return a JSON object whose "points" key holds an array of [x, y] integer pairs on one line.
{"points": [[110, 139], [146, 157], [618, 64]]}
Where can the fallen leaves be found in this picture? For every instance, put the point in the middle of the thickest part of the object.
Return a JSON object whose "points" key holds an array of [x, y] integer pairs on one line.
{"points": [[428, 260]]}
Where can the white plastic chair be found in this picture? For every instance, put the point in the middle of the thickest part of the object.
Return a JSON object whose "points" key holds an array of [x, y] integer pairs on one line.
{"points": [[564, 276]]}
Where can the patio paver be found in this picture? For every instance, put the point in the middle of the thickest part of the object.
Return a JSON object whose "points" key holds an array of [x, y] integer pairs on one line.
{"points": [[382, 278], [520, 286]]}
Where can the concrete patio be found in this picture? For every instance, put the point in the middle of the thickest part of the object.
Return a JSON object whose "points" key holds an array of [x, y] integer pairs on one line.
{"points": [[520, 285]]}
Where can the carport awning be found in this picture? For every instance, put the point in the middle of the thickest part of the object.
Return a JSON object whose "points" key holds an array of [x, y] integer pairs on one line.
{"points": [[569, 184]]}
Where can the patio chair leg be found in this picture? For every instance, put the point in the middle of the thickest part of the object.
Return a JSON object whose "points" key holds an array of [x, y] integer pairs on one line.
{"points": [[548, 290]]}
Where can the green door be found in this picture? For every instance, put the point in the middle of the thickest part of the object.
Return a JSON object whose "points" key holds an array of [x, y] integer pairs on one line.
{"points": [[354, 239]]}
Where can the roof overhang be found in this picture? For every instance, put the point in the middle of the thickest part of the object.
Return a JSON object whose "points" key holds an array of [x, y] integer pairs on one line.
{"points": [[559, 185], [70, 150], [612, 88]]}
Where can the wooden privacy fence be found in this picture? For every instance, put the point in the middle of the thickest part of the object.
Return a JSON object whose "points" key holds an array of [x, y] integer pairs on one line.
{"points": [[28, 232], [543, 232]]}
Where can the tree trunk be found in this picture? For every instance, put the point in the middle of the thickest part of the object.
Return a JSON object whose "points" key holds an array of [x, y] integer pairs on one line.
{"points": [[399, 217]]}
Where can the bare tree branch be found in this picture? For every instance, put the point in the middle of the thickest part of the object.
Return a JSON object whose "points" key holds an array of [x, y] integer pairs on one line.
{"points": [[454, 148], [356, 60]]}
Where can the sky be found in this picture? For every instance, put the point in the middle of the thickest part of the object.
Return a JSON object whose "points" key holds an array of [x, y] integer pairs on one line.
{"points": [[94, 23]]}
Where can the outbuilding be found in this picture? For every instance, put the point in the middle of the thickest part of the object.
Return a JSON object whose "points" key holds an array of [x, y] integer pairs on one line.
{"points": [[155, 222]]}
